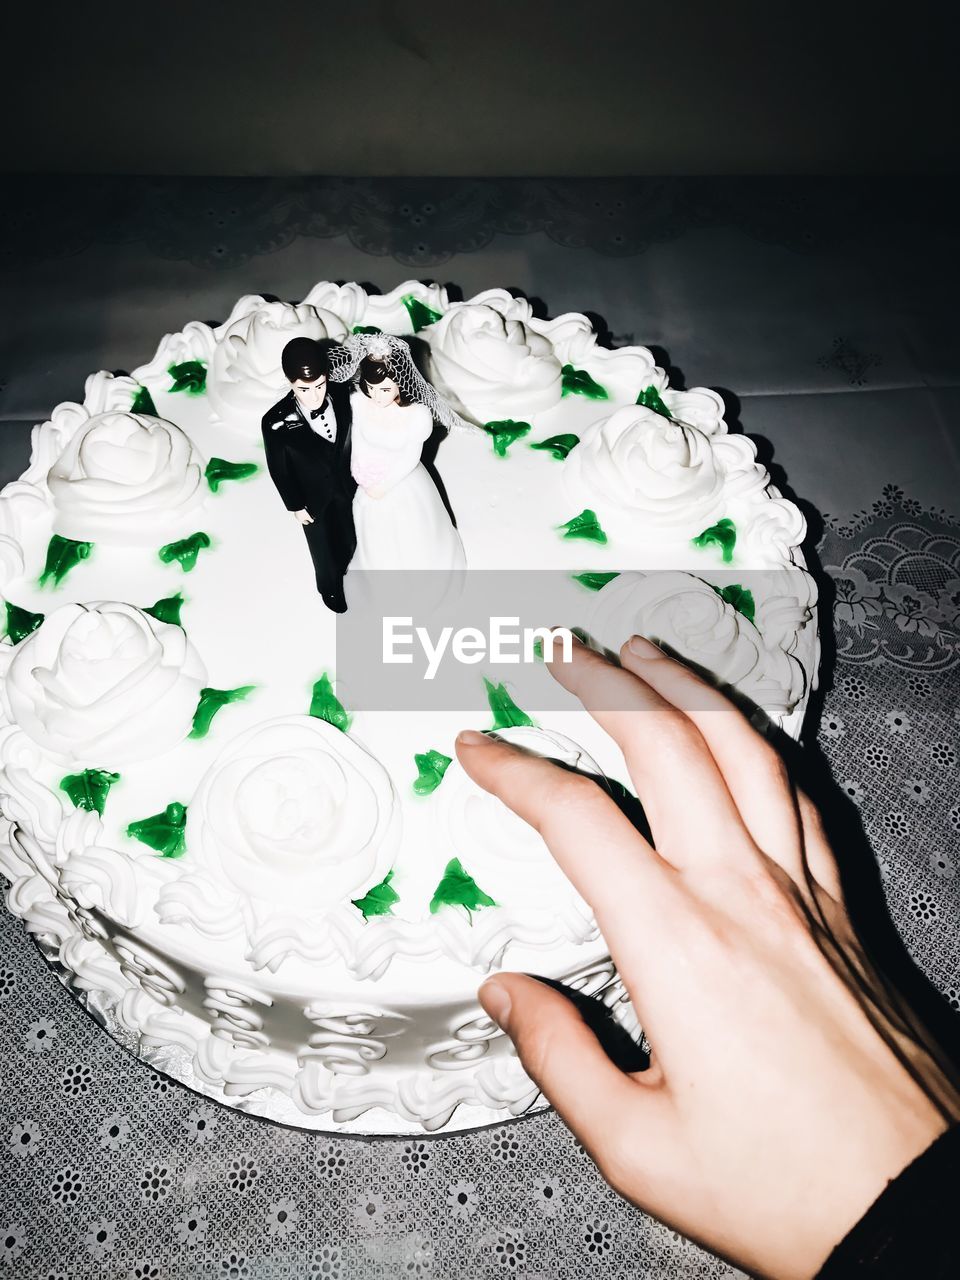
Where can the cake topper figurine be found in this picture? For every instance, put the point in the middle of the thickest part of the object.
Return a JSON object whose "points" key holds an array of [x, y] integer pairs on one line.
{"points": [[400, 518], [306, 436]]}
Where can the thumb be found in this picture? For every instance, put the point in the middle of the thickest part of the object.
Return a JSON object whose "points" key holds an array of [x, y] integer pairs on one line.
{"points": [[563, 1057]]}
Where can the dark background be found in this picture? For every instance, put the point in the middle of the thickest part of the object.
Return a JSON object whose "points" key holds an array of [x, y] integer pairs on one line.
{"points": [[441, 87]]}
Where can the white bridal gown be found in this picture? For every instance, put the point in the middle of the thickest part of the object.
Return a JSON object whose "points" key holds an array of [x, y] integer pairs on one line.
{"points": [[408, 526]]}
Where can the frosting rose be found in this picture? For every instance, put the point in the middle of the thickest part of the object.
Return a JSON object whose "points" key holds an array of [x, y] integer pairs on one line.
{"points": [[686, 616], [295, 814], [771, 530], [348, 302], [125, 477], [492, 364], [645, 466], [102, 393], [195, 342], [103, 684], [572, 336], [699, 407], [785, 600], [245, 375]]}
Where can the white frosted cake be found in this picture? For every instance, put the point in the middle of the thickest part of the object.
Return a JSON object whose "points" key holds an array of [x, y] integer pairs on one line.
{"points": [[285, 905]]}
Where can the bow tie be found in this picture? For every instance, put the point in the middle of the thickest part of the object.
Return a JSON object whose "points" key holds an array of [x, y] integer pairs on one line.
{"points": [[315, 413]]}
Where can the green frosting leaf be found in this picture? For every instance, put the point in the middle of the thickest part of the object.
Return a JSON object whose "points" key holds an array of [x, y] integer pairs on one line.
{"points": [[366, 328], [185, 551], [739, 598], [649, 397], [559, 446], [211, 701], [219, 469], [379, 900], [88, 790], [431, 766], [506, 713], [723, 534], [585, 525], [167, 609], [190, 376], [594, 581], [420, 314], [459, 889], [143, 402], [504, 432], [21, 622], [577, 382], [164, 832], [63, 554], [325, 705]]}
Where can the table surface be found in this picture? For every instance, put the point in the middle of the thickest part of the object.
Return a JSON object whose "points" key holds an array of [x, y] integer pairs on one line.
{"points": [[825, 313]]}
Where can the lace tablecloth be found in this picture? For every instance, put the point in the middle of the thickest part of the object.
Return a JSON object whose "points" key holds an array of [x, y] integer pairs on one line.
{"points": [[110, 1170]]}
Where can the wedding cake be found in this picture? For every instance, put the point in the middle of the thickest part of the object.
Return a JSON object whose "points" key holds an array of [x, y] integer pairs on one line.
{"points": [[276, 893]]}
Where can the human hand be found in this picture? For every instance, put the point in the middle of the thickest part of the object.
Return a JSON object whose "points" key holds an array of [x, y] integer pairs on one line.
{"points": [[304, 516], [787, 1086]]}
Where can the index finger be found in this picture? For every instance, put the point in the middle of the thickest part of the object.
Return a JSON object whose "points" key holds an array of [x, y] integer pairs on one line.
{"points": [[626, 883]]}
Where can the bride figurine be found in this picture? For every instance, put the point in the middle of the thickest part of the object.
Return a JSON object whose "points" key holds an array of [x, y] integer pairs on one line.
{"points": [[400, 519]]}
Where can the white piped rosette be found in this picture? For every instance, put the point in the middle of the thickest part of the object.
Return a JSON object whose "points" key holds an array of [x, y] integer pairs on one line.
{"points": [[103, 684], [690, 619], [346, 302], [490, 361], [536, 903], [125, 478], [771, 531], [102, 393], [121, 884], [195, 342], [641, 471], [292, 821], [245, 376], [637, 468], [24, 503]]}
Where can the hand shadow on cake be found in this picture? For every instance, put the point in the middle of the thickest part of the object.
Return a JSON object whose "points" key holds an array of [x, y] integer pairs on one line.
{"points": [[826, 589], [617, 1043]]}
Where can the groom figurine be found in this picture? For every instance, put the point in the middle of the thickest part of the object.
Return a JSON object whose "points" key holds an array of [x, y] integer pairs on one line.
{"points": [[306, 436]]}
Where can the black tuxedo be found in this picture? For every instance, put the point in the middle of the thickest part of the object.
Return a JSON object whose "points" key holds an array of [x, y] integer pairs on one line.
{"points": [[312, 473]]}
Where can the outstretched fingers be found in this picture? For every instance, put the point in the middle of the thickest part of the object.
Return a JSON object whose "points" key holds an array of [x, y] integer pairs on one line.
{"points": [[599, 850], [782, 822], [692, 815]]}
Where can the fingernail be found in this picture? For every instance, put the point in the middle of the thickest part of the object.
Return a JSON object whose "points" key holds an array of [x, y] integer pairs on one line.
{"points": [[642, 648], [496, 1001], [472, 738], [563, 626]]}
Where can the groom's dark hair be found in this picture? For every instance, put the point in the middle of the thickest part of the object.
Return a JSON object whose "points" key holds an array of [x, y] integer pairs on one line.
{"points": [[306, 359]]}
